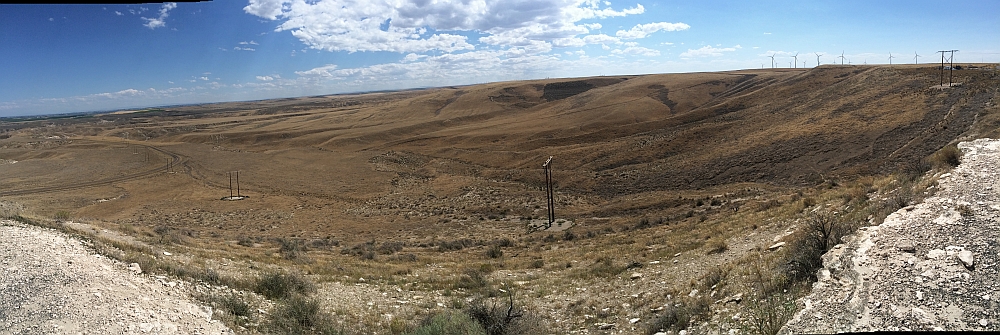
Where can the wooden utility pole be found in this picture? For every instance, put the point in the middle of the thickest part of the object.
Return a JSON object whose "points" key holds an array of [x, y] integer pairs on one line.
{"points": [[941, 81], [951, 62], [238, 184], [550, 202]]}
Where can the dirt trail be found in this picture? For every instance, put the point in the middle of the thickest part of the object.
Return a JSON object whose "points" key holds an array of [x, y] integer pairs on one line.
{"points": [[932, 266], [53, 284]]}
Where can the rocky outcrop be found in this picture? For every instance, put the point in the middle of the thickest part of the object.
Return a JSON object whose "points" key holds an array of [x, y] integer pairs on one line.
{"points": [[932, 266]]}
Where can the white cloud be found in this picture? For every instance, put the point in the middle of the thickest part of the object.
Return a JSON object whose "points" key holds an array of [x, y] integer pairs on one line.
{"points": [[244, 49], [203, 78], [51, 19], [600, 39], [153, 23], [408, 26], [265, 78], [250, 43], [708, 51], [636, 51], [118, 13], [643, 30]]}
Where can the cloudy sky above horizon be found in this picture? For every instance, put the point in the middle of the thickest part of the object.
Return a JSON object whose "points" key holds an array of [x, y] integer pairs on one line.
{"points": [[77, 58]]}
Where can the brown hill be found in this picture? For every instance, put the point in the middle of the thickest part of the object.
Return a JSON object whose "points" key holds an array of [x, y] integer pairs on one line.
{"points": [[380, 185]]}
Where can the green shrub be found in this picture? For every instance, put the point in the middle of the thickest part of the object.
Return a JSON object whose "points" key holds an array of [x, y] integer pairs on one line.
{"points": [[300, 315], [472, 279], [677, 317], [291, 248], [503, 316], [279, 285], [947, 157], [494, 252], [449, 323]]}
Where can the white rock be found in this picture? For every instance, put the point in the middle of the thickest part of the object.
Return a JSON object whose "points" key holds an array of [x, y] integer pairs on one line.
{"points": [[776, 246], [693, 293], [984, 322], [166, 253], [986, 297], [966, 257], [134, 267], [682, 332], [935, 254], [633, 321], [920, 295], [635, 275]]}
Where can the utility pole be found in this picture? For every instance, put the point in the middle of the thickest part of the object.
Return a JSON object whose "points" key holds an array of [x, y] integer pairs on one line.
{"points": [[941, 81], [550, 202], [951, 61]]}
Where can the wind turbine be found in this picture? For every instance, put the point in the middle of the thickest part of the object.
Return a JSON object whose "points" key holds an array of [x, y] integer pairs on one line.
{"points": [[890, 58], [915, 56], [796, 59], [772, 60], [817, 58], [841, 58]]}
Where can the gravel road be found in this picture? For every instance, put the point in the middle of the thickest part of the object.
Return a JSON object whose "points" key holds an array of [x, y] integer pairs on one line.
{"points": [[52, 284]]}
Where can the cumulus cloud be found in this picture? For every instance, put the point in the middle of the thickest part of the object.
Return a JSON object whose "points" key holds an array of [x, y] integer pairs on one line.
{"points": [[157, 22], [708, 51], [265, 78], [643, 30], [408, 26]]}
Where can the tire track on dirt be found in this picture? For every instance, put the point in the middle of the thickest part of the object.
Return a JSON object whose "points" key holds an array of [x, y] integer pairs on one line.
{"points": [[175, 159]]}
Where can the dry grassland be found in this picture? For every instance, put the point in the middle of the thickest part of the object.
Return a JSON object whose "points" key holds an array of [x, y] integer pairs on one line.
{"points": [[396, 206]]}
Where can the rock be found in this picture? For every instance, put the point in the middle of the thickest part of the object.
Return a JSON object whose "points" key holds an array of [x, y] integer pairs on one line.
{"points": [[166, 253], [935, 254], [966, 257], [682, 332], [134, 267], [986, 297], [906, 246], [604, 326], [776, 246], [693, 293], [635, 275], [660, 333], [920, 295], [984, 322], [633, 321], [735, 298]]}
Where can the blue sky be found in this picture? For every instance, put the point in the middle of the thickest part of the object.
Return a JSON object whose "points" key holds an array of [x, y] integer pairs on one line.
{"points": [[76, 58]]}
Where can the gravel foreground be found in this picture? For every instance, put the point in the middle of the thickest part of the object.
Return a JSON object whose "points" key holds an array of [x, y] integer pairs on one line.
{"points": [[932, 266], [52, 284]]}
